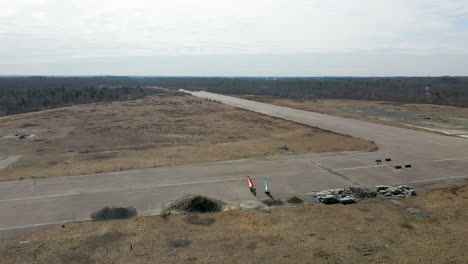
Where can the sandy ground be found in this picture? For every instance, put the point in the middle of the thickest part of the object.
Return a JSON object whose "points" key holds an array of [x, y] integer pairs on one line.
{"points": [[435, 118], [373, 231], [161, 130]]}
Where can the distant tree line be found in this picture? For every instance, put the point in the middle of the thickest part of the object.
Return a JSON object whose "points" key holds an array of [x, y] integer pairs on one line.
{"points": [[22, 94], [20, 100], [436, 90]]}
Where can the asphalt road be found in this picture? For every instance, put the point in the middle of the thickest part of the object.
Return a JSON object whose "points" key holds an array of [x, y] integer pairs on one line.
{"points": [[34, 204]]}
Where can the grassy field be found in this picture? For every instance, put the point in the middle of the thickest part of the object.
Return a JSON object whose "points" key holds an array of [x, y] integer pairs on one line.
{"points": [[159, 130], [373, 231]]}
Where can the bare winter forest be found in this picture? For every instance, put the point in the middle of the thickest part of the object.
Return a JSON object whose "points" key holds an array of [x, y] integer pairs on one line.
{"points": [[24, 94]]}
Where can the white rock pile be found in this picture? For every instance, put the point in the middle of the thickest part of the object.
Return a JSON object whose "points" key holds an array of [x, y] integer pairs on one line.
{"points": [[400, 191], [355, 194], [344, 196]]}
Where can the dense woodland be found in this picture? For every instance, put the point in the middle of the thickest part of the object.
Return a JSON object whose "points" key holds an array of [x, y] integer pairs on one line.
{"points": [[20, 100], [23, 94]]}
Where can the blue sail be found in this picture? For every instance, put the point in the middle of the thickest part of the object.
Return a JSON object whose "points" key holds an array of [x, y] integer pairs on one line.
{"points": [[267, 188]]}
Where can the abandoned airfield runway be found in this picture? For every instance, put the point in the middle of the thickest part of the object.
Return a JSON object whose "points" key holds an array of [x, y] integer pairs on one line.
{"points": [[33, 204]]}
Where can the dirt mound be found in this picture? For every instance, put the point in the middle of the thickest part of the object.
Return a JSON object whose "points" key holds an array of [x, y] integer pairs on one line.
{"points": [[195, 204], [108, 213], [295, 200]]}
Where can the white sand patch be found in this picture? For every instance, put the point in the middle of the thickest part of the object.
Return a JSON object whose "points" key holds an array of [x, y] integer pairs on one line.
{"points": [[5, 162]]}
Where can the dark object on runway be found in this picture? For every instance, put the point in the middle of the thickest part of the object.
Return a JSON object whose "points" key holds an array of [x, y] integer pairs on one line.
{"points": [[378, 161], [109, 213], [388, 159], [408, 166], [398, 167]]}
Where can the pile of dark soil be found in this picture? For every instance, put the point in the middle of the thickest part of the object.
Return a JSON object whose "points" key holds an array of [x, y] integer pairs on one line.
{"points": [[109, 213], [295, 200], [196, 204]]}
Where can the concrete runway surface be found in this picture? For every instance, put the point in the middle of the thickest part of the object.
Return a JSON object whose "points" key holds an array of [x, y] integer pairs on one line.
{"points": [[30, 205]]}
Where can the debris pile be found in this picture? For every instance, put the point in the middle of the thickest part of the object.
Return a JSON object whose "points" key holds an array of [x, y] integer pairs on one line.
{"points": [[354, 194], [195, 204], [344, 196], [400, 191]]}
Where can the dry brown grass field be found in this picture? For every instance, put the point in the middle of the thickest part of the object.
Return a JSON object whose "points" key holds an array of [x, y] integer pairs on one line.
{"points": [[160, 130], [373, 231]]}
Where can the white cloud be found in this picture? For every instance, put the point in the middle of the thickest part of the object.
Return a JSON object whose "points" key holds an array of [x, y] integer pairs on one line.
{"points": [[42, 31]]}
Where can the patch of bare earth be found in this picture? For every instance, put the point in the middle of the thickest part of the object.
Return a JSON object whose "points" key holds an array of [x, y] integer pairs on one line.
{"points": [[160, 130], [374, 231]]}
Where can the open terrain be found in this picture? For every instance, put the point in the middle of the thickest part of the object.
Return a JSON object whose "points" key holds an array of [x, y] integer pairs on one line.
{"points": [[160, 130], [444, 119], [404, 157], [429, 228]]}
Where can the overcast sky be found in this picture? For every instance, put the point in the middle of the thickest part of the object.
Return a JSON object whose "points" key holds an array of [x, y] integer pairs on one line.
{"points": [[234, 38]]}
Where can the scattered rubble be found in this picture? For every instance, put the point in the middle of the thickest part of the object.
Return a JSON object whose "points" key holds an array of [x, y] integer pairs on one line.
{"points": [[400, 191], [347, 200], [355, 194], [329, 199], [202, 204], [344, 196]]}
